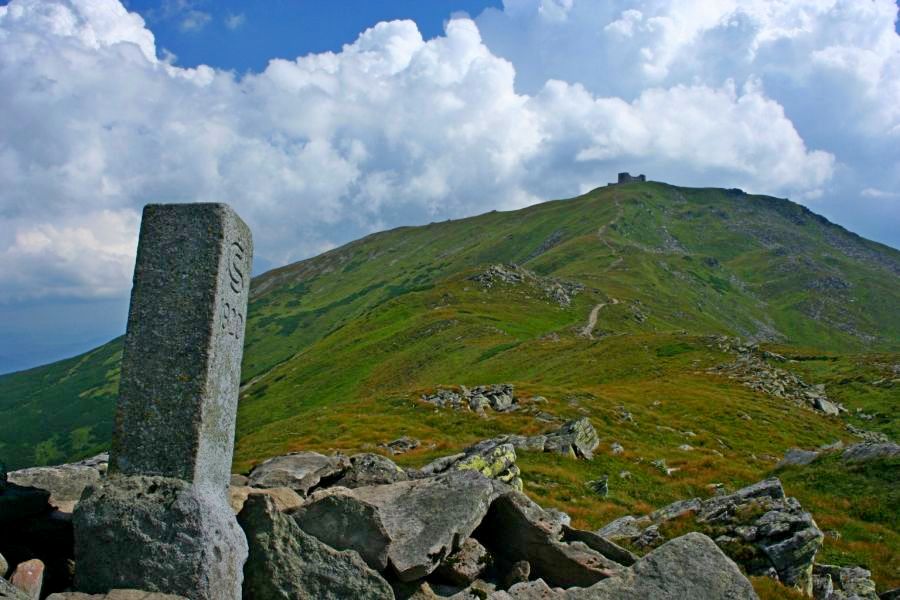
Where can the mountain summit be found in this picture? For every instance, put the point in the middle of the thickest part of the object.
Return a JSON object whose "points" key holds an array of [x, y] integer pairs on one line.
{"points": [[703, 333]]}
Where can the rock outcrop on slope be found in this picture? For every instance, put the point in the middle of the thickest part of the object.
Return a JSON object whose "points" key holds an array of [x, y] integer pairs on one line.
{"points": [[767, 532], [751, 368], [555, 290], [498, 396]]}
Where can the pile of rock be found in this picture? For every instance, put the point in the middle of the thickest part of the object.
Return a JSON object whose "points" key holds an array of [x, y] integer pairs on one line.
{"points": [[752, 369], [831, 582], [765, 531], [576, 439], [330, 527], [458, 534], [499, 397], [556, 290]]}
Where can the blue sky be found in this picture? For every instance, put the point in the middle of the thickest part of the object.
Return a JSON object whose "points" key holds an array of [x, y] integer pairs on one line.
{"points": [[244, 36], [321, 122]]}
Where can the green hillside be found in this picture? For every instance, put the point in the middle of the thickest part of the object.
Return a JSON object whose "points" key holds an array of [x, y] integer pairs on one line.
{"points": [[340, 347]]}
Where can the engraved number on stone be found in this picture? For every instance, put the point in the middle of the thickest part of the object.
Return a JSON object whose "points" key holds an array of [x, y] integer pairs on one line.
{"points": [[235, 266], [232, 321]]}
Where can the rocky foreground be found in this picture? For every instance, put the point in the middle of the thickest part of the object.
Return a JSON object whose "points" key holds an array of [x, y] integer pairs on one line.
{"points": [[337, 527]]}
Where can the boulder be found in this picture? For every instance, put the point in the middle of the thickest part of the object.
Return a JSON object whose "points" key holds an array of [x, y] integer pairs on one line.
{"points": [[867, 451], [691, 566], [756, 525], [284, 498], [142, 532], [64, 482], [300, 471], [238, 480], [370, 469], [29, 577], [285, 562], [575, 438], [402, 445], [4, 566], [465, 565], [115, 595], [491, 458], [797, 456], [409, 525], [517, 529]]}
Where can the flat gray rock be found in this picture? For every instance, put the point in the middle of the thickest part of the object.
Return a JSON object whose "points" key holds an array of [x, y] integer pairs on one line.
{"points": [[286, 562], [691, 566], [797, 456], [409, 525], [64, 482], [864, 452], [300, 471]]}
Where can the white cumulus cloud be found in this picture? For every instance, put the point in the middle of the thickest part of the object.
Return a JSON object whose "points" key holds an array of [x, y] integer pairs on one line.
{"points": [[541, 100]]}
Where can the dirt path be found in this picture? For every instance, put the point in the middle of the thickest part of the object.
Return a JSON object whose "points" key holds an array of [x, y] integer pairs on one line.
{"points": [[587, 330]]}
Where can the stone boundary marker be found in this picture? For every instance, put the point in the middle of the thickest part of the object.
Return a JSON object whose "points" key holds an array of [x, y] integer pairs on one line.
{"points": [[161, 521]]}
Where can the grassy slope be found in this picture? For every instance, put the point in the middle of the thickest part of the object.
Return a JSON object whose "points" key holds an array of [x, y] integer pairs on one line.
{"points": [[340, 346]]}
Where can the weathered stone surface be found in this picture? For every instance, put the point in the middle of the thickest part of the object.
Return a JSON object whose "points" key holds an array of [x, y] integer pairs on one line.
{"points": [[300, 471], [238, 480], [600, 544], [798, 456], [465, 565], [624, 528], [864, 452], [518, 529], [158, 534], [518, 572], [284, 498], [10, 592], [29, 577], [575, 437], [115, 595], [687, 567], [410, 525], [286, 562], [843, 583], [370, 469], [401, 445], [756, 524], [181, 362], [488, 457], [64, 482], [4, 566], [163, 513], [529, 590]]}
